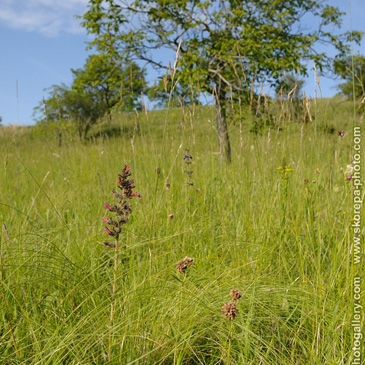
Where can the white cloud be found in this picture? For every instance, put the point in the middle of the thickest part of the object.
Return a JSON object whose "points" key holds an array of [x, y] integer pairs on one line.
{"points": [[48, 17]]}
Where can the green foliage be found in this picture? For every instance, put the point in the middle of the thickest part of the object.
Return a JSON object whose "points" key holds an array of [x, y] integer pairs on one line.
{"points": [[114, 85], [74, 104], [353, 72], [233, 41], [52, 109], [102, 86]]}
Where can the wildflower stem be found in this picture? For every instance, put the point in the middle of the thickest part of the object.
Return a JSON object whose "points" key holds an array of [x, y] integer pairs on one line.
{"points": [[112, 306]]}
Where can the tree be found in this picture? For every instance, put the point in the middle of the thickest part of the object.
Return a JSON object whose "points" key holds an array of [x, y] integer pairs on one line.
{"points": [[353, 72], [103, 85], [66, 103], [224, 45], [51, 109], [114, 85]]}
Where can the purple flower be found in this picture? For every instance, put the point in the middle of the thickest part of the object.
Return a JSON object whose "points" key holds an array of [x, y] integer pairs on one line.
{"points": [[341, 133], [348, 177], [197, 190], [171, 216], [168, 186]]}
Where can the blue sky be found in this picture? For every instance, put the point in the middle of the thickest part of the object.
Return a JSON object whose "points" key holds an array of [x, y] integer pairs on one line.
{"points": [[41, 40]]}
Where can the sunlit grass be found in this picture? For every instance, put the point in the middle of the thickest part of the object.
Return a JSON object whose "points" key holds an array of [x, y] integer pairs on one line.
{"points": [[284, 243]]}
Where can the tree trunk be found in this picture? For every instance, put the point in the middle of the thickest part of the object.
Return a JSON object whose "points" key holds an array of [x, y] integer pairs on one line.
{"points": [[221, 120]]}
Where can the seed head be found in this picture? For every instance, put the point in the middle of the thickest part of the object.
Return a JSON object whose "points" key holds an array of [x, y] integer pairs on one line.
{"points": [[235, 295], [182, 265], [341, 133], [229, 310]]}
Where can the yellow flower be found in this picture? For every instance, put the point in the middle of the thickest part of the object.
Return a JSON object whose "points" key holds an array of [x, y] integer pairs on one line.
{"points": [[285, 171]]}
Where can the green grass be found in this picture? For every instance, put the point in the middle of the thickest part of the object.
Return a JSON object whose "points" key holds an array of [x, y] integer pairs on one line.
{"points": [[285, 244]]}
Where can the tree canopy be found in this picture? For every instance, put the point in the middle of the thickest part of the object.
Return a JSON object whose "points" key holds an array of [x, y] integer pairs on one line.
{"points": [[104, 84], [223, 45]]}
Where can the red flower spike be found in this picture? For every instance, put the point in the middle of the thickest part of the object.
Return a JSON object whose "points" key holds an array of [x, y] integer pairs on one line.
{"points": [[122, 208]]}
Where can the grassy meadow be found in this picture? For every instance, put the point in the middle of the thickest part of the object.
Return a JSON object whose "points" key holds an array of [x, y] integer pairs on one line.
{"points": [[281, 237]]}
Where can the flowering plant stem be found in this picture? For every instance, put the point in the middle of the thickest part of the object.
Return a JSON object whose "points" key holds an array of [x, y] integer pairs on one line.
{"points": [[112, 306], [121, 212]]}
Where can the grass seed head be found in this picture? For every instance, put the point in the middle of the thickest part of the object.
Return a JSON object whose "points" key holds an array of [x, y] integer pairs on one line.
{"points": [[229, 310]]}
